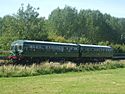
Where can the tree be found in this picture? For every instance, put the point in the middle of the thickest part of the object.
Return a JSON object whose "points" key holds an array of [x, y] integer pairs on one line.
{"points": [[8, 31], [30, 25], [24, 25], [64, 22]]}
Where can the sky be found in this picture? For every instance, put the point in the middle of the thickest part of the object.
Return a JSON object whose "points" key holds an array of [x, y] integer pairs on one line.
{"points": [[115, 8]]}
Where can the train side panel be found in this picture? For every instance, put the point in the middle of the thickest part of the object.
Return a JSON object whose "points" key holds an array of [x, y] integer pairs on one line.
{"points": [[95, 52], [49, 50]]}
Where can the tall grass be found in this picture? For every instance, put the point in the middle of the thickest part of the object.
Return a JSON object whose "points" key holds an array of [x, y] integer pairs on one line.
{"points": [[50, 68]]}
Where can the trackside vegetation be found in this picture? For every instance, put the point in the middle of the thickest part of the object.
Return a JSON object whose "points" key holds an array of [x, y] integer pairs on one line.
{"points": [[55, 68]]}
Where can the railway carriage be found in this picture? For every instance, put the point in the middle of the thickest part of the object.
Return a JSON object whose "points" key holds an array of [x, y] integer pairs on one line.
{"points": [[41, 50], [95, 52]]}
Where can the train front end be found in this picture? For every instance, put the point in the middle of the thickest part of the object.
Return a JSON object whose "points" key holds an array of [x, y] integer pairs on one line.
{"points": [[16, 51]]}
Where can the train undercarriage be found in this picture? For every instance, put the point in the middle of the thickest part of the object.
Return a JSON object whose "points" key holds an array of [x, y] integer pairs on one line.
{"points": [[77, 60]]}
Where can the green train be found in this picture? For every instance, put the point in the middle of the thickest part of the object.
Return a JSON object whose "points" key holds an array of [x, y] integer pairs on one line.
{"points": [[37, 51]]}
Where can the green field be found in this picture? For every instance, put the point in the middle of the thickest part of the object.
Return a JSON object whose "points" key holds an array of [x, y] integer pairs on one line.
{"points": [[94, 82]]}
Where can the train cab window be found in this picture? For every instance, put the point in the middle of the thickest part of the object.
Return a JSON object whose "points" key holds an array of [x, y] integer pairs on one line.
{"points": [[16, 47], [19, 47]]}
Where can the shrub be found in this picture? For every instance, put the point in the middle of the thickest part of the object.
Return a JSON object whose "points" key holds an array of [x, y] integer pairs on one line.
{"points": [[50, 68]]}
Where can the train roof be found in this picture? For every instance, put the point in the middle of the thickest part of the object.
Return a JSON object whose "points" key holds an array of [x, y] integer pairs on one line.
{"points": [[46, 42], [99, 46], [58, 43]]}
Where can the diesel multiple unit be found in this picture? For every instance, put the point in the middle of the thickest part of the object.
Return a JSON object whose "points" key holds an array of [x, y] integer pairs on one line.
{"points": [[36, 51]]}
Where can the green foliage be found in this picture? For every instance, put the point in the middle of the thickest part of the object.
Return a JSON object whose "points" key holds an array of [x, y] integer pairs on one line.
{"points": [[63, 25], [104, 43], [31, 26], [24, 25], [118, 48]]}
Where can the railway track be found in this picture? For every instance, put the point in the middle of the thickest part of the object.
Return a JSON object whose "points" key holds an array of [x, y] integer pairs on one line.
{"points": [[4, 61]]}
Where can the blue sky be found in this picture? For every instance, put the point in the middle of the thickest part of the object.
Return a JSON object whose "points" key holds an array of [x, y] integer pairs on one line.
{"points": [[115, 8]]}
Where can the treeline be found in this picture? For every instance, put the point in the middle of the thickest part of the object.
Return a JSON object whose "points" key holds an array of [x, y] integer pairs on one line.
{"points": [[63, 25]]}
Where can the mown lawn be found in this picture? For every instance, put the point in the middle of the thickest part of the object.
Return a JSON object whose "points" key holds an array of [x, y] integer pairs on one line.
{"points": [[94, 82]]}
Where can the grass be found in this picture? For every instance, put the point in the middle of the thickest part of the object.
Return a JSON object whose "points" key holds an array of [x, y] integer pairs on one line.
{"points": [[92, 82]]}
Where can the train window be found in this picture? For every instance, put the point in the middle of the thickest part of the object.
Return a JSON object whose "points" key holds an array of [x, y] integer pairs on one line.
{"points": [[40, 47], [71, 49], [88, 49], [46, 47], [106, 49], [92, 49], [61, 49], [33, 46], [30, 47], [75, 48], [83, 48], [67, 48], [36, 46], [101, 49], [95, 49]]}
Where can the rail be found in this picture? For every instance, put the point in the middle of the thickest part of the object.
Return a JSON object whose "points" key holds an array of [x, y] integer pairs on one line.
{"points": [[4, 54]]}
